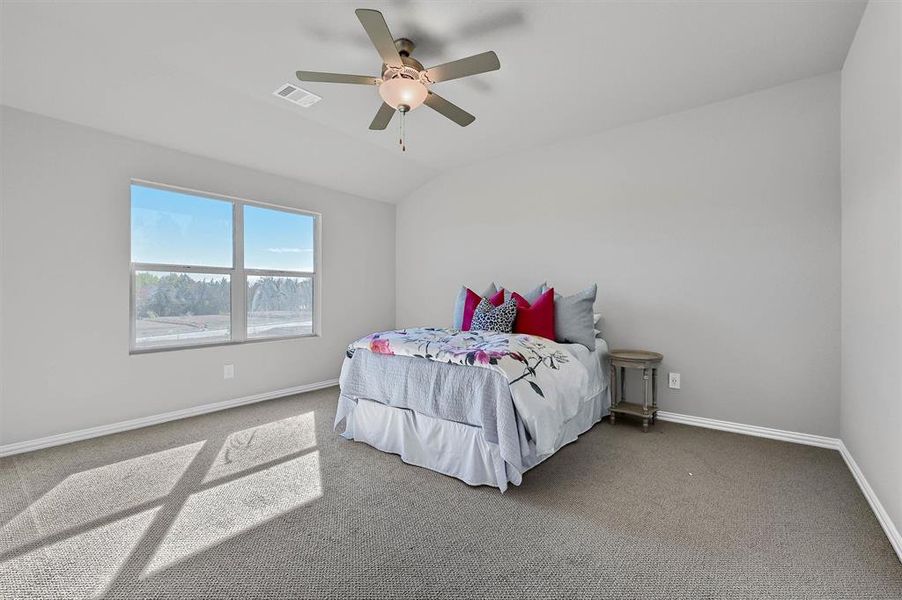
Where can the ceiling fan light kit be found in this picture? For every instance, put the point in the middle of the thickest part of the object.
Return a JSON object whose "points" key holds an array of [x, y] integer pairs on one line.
{"points": [[404, 85]]}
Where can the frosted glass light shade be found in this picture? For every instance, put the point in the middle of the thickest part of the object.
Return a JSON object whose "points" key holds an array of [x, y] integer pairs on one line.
{"points": [[400, 90]]}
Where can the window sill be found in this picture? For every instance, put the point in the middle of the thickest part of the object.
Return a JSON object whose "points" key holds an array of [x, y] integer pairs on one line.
{"points": [[286, 338]]}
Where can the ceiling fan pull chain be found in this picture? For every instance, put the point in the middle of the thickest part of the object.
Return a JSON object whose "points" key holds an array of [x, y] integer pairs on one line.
{"points": [[401, 139]]}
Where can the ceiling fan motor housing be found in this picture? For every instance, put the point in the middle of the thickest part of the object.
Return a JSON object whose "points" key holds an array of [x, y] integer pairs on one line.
{"points": [[406, 72], [411, 68], [405, 46]]}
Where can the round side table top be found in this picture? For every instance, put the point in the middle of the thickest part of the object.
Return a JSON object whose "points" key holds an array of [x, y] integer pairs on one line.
{"points": [[640, 356]]}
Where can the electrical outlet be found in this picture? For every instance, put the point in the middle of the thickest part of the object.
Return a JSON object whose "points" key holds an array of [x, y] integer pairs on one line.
{"points": [[228, 371], [673, 382]]}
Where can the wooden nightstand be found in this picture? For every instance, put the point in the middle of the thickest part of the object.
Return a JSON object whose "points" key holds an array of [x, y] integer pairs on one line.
{"points": [[621, 360]]}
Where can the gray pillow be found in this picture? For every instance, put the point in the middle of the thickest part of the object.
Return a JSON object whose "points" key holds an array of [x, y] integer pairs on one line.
{"points": [[531, 296], [574, 321], [462, 300]]}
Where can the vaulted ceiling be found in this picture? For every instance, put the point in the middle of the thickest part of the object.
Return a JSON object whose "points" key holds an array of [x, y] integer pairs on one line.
{"points": [[199, 76]]}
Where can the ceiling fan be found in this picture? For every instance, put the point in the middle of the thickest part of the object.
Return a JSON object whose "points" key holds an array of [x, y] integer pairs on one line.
{"points": [[404, 84]]}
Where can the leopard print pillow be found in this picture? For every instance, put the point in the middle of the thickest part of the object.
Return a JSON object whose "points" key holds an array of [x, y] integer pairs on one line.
{"points": [[490, 318]]}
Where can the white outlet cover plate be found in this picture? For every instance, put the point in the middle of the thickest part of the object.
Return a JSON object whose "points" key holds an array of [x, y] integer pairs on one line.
{"points": [[228, 371], [674, 381]]}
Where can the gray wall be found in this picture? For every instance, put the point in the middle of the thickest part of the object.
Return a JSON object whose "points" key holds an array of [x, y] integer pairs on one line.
{"points": [[64, 264], [713, 235], [872, 252]]}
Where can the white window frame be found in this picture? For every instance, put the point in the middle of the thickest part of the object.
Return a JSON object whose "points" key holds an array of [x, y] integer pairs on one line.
{"points": [[238, 275]]}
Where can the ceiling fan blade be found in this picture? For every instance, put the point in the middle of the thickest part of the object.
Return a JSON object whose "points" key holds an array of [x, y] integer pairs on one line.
{"points": [[383, 117], [448, 109], [472, 65], [337, 78], [374, 24]]}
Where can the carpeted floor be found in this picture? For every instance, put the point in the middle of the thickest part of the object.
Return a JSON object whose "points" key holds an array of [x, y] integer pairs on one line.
{"points": [[265, 501]]}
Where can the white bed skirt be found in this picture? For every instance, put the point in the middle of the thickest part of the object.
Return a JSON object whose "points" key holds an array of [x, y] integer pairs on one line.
{"points": [[451, 448]]}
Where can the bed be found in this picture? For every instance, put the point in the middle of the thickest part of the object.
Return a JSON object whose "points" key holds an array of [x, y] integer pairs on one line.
{"points": [[481, 406]]}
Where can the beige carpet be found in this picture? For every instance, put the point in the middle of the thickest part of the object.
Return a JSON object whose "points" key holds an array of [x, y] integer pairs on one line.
{"points": [[265, 501]]}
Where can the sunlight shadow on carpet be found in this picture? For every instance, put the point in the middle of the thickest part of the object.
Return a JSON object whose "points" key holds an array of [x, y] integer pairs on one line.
{"points": [[214, 515], [262, 444], [83, 565], [96, 494]]}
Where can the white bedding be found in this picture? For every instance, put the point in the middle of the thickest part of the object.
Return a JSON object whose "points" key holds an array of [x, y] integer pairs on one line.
{"points": [[543, 378], [461, 449]]}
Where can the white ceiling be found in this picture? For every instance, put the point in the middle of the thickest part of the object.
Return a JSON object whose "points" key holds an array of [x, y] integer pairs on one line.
{"points": [[198, 76]]}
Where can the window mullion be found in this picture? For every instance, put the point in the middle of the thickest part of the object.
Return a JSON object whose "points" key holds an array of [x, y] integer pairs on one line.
{"points": [[239, 281], [182, 268], [277, 273]]}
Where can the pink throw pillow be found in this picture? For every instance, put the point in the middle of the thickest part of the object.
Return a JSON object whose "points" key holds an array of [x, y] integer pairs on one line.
{"points": [[537, 318]]}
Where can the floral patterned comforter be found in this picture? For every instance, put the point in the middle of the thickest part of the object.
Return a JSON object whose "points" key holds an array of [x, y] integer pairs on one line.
{"points": [[546, 381]]}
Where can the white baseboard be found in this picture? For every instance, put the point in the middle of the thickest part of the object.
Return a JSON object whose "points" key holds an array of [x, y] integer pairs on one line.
{"points": [[92, 432], [765, 432], [895, 539]]}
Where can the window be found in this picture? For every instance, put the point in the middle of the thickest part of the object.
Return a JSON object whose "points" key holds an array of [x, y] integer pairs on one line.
{"points": [[278, 260], [208, 269]]}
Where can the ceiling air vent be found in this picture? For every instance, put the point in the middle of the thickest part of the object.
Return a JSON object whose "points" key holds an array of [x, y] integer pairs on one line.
{"points": [[297, 95]]}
